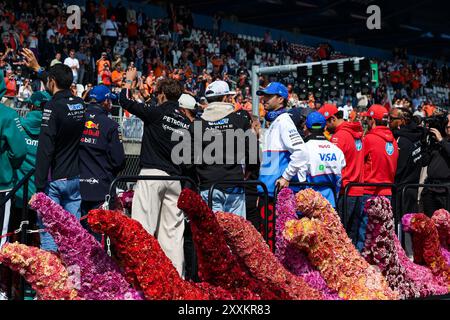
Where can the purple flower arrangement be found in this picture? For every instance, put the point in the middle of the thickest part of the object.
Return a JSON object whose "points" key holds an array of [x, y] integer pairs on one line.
{"points": [[289, 255], [100, 277]]}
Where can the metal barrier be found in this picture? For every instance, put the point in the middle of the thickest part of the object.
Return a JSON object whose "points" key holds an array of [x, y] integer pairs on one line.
{"points": [[112, 194], [402, 189], [245, 183], [355, 184], [24, 218], [298, 184], [147, 178]]}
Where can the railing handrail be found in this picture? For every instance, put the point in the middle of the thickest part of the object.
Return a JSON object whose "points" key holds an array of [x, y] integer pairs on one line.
{"points": [[135, 178], [16, 188], [246, 183]]}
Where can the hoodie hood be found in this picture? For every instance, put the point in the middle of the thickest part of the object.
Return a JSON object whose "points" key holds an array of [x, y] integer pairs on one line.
{"points": [[383, 132], [354, 128], [32, 123], [410, 131], [2, 84], [217, 110]]}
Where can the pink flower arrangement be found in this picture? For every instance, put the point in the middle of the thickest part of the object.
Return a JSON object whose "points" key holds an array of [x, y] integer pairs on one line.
{"points": [[100, 277], [441, 219], [426, 244], [380, 248], [428, 284], [145, 263], [249, 246], [43, 270], [216, 263], [288, 254], [329, 249]]}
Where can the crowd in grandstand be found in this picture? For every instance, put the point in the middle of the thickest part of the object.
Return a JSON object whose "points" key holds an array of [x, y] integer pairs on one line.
{"points": [[172, 77]]}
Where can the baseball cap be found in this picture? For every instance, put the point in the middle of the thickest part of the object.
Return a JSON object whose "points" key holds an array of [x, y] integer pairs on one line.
{"points": [[274, 88], [315, 120], [187, 101], [328, 110], [377, 111], [101, 93], [38, 97], [218, 88]]}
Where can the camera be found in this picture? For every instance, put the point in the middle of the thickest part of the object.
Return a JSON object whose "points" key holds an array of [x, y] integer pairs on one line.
{"points": [[438, 122]]}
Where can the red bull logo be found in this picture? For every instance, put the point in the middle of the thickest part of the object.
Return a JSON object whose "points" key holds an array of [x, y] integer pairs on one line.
{"points": [[91, 125]]}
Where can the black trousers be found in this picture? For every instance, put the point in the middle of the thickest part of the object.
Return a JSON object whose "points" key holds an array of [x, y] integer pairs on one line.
{"points": [[87, 206], [433, 201]]}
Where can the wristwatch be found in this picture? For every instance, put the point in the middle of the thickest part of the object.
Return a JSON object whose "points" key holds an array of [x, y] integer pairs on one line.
{"points": [[40, 71]]}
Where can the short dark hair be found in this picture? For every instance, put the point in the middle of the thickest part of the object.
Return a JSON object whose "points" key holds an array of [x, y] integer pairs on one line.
{"points": [[171, 88], [339, 114], [62, 75], [381, 123]]}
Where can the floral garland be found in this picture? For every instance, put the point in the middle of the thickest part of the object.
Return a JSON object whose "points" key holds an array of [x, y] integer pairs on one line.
{"points": [[426, 244], [100, 277], [43, 270], [428, 283], [144, 262], [216, 263], [293, 259], [247, 244], [350, 275], [380, 250], [441, 219], [331, 251]]}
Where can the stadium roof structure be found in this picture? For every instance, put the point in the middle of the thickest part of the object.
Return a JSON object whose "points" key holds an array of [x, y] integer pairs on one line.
{"points": [[421, 26]]}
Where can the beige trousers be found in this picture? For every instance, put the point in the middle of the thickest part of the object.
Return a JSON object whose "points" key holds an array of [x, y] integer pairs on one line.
{"points": [[155, 207]]}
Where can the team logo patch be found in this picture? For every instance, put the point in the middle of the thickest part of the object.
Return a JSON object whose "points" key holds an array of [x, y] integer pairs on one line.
{"points": [[75, 107], [389, 148], [358, 144]]}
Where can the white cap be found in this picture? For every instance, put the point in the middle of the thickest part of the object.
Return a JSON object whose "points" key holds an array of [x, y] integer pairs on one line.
{"points": [[187, 101], [218, 88]]}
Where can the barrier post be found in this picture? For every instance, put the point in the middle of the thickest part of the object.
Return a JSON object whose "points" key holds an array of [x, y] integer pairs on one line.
{"points": [[112, 195]]}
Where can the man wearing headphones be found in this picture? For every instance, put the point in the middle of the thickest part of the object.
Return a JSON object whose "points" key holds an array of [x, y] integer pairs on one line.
{"points": [[283, 147]]}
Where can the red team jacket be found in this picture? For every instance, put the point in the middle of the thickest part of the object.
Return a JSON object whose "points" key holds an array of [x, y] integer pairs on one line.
{"points": [[348, 138], [380, 159]]}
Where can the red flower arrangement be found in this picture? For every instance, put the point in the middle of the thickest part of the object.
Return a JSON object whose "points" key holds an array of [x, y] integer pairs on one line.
{"points": [[441, 219], [380, 250], [426, 244], [324, 238], [216, 263], [145, 264], [43, 270], [247, 244]]}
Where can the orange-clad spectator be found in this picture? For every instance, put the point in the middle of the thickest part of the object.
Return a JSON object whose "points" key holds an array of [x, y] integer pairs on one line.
{"points": [[106, 76], [101, 63], [429, 109], [352, 116], [117, 76], [102, 10], [132, 30], [262, 111]]}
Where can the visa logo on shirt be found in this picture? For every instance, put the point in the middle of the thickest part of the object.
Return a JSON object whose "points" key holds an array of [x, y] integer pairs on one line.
{"points": [[327, 157]]}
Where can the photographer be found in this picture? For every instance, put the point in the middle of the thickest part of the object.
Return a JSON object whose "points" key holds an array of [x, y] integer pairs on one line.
{"points": [[438, 162]]}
